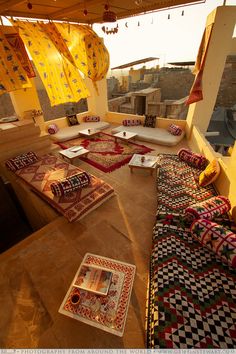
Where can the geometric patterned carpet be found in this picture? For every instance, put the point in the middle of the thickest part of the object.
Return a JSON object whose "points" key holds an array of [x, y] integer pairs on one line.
{"points": [[192, 294], [105, 153]]}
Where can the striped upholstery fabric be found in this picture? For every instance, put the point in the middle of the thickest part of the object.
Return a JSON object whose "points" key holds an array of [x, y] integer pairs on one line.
{"points": [[70, 184], [192, 159]]}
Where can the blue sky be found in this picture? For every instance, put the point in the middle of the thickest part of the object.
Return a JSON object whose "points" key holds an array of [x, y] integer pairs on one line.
{"points": [[174, 39]]}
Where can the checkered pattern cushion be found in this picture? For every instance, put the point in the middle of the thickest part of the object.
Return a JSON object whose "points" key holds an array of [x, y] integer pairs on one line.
{"points": [[53, 129], [70, 184], [174, 129], [20, 161], [216, 238], [150, 121], [192, 159], [91, 119], [131, 122], [209, 209]]}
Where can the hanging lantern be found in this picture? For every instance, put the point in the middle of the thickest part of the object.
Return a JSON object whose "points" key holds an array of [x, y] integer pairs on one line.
{"points": [[109, 16], [85, 12], [29, 5]]}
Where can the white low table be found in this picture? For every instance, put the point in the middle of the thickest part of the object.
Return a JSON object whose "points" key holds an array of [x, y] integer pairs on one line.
{"points": [[150, 162], [73, 153], [89, 132], [126, 137]]}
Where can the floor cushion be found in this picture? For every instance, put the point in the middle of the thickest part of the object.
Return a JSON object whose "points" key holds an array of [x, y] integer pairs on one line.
{"points": [[210, 174]]}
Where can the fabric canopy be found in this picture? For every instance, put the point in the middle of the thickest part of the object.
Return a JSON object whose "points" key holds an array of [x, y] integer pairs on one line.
{"points": [[61, 79]]}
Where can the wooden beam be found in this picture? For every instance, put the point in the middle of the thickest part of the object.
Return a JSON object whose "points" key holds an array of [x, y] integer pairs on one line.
{"points": [[68, 10], [8, 4]]}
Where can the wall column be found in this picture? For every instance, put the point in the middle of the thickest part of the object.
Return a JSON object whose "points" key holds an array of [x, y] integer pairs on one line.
{"points": [[25, 100], [97, 102], [224, 19]]}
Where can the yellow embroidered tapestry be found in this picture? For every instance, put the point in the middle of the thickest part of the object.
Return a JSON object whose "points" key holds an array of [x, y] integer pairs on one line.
{"points": [[61, 79], [88, 51], [12, 75]]}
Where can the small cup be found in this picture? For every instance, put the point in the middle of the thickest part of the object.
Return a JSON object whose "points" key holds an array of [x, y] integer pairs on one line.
{"points": [[75, 299], [124, 133], [89, 131], [142, 159]]}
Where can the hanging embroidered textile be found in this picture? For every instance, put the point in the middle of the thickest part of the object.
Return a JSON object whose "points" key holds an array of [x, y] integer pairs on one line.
{"points": [[88, 51], [61, 79], [19, 48], [12, 75], [196, 90]]}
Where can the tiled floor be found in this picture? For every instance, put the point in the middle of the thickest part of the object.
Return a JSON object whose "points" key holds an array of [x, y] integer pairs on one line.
{"points": [[36, 273]]}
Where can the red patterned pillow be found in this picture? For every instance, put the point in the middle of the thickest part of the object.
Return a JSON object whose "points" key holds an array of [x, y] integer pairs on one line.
{"points": [[70, 184], [131, 122], [192, 159], [53, 129], [175, 129], [20, 161], [216, 238], [209, 209], [91, 119]]}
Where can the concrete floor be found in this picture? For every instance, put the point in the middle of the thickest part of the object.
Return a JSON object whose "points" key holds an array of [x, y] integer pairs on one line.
{"points": [[36, 273]]}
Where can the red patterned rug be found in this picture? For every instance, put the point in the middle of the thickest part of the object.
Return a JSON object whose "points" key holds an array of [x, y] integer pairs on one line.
{"points": [[105, 153]]}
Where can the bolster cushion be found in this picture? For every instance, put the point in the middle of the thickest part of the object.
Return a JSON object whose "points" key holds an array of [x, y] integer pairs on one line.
{"points": [[20, 161], [216, 238], [174, 129], [131, 122], [53, 129], [70, 184], [192, 159], [209, 209], [91, 119]]}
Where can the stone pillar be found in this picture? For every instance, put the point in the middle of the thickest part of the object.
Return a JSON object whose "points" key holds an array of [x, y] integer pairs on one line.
{"points": [[97, 101], [224, 19]]}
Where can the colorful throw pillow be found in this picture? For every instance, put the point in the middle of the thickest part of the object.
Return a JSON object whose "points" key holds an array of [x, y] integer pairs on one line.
{"points": [[150, 121], [210, 174], [175, 129], [53, 129], [70, 184], [216, 238], [72, 119], [20, 161], [91, 119], [209, 209], [131, 122], [192, 159]]}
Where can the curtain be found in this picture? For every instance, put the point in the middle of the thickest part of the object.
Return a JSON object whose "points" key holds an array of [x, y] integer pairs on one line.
{"points": [[61, 79], [89, 53], [12, 75], [196, 90]]}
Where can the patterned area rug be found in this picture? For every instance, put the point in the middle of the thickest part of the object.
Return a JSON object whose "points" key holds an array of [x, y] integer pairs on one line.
{"points": [[105, 312], [192, 294], [106, 154], [74, 205]]}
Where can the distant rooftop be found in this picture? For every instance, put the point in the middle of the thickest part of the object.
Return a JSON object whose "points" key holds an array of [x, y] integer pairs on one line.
{"points": [[132, 63], [183, 63]]}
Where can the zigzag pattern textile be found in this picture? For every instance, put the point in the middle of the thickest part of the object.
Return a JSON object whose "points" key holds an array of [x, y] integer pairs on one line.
{"points": [[192, 293]]}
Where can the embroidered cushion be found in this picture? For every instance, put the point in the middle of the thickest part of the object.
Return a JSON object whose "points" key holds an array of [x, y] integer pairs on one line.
{"points": [[192, 159], [174, 129], [53, 129], [20, 161], [70, 184], [216, 238], [72, 119], [131, 122], [209, 209], [91, 119], [150, 121], [210, 174]]}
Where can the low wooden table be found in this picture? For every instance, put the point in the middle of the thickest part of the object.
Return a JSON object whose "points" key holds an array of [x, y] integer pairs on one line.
{"points": [[150, 162], [89, 132], [73, 153], [128, 136]]}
